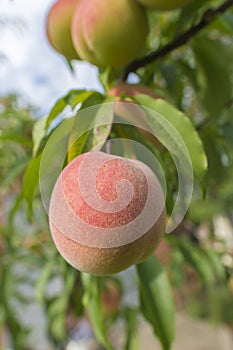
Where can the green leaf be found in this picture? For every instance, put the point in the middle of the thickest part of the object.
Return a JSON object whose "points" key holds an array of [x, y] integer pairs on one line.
{"points": [[227, 19], [92, 303], [2, 316], [223, 24], [189, 72], [15, 207], [197, 260], [56, 318], [57, 307], [213, 73], [55, 111], [16, 329], [215, 263], [182, 124], [45, 274], [71, 99], [15, 172], [30, 181], [189, 13], [156, 300], [95, 98], [212, 143], [175, 86], [23, 140], [97, 129], [78, 96], [130, 316], [99, 134], [57, 327], [38, 133]]}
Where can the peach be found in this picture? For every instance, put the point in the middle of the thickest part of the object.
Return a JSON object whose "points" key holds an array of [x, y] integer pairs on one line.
{"points": [[107, 34], [59, 27], [131, 112], [125, 89], [106, 213], [163, 5]]}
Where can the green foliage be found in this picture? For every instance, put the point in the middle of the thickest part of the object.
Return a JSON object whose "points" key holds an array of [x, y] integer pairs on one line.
{"points": [[210, 55], [15, 139], [30, 181], [130, 315], [204, 261], [91, 301], [156, 300], [195, 83], [72, 99], [184, 128], [95, 136]]}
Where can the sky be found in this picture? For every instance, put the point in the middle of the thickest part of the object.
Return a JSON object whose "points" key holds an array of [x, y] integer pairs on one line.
{"points": [[30, 66]]}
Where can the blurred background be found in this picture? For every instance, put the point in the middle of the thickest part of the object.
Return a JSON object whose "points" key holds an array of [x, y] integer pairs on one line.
{"points": [[29, 66], [40, 295]]}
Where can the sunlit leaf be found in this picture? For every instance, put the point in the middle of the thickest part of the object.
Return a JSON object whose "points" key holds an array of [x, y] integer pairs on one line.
{"points": [[31, 180], [38, 133], [73, 98]]}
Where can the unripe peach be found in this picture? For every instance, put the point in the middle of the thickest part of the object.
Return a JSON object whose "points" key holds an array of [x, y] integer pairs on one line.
{"points": [[125, 89], [106, 213], [109, 34], [59, 27], [131, 112], [163, 5]]}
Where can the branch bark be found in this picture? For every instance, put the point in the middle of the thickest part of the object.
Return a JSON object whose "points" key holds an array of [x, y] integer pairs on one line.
{"points": [[207, 18]]}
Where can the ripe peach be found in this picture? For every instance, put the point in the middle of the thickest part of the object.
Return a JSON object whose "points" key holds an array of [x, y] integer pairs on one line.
{"points": [[59, 27], [106, 213], [164, 5], [109, 35]]}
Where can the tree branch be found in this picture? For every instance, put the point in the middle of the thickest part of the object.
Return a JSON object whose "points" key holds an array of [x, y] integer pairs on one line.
{"points": [[208, 17]]}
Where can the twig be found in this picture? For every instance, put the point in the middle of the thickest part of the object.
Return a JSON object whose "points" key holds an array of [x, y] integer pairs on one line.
{"points": [[208, 17]]}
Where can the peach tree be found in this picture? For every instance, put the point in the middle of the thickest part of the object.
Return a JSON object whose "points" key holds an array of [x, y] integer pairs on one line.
{"points": [[145, 162]]}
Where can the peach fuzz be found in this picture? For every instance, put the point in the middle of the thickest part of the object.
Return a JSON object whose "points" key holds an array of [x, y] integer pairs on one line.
{"points": [[163, 5], [109, 34], [59, 27], [104, 240]]}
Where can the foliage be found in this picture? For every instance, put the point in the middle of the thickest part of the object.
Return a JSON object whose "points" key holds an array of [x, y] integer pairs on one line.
{"points": [[195, 83]]}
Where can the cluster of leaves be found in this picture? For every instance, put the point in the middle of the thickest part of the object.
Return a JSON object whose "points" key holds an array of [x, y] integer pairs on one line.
{"points": [[15, 146], [197, 80]]}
